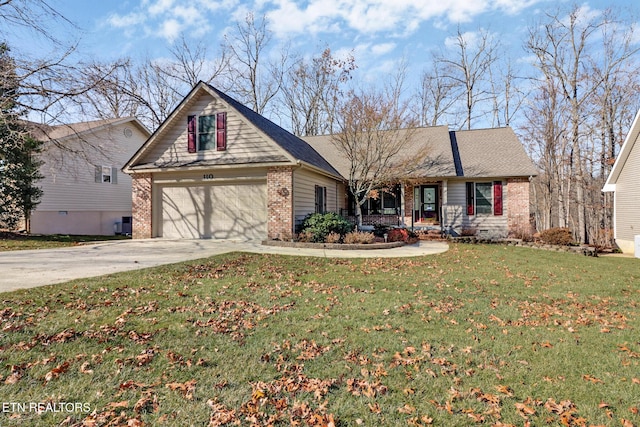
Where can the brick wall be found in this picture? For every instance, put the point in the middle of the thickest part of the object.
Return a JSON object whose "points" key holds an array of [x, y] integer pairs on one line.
{"points": [[141, 205], [280, 203], [518, 205]]}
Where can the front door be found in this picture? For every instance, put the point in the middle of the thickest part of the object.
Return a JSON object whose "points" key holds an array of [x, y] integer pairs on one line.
{"points": [[425, 202]]}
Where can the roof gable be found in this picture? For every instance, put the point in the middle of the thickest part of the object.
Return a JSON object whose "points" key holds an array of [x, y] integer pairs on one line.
{"points": [[252, 139]]}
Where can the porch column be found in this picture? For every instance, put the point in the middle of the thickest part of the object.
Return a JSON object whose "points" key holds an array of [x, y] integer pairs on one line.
{"points": [[402, 204], [443, 206]]}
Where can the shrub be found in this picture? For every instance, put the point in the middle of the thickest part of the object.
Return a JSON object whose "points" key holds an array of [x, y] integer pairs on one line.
{"points": [[305, 237], [359, 237], [557, 236], [398, 235], [379, 229], [323, 224], [522, 233], [333, 237]]}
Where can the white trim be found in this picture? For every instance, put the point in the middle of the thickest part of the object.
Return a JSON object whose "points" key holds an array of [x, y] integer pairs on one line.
{"points": [[623, 155]]}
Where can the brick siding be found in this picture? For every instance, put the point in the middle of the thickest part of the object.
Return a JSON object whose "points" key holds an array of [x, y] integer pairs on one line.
{"points": [[280, 203], [518, 205], [141, 205]]}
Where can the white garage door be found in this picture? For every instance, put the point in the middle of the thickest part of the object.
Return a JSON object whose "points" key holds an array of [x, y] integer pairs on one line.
{"points": [[230, 211]]}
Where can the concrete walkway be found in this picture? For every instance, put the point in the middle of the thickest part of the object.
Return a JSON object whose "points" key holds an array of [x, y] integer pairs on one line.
{"points": [[29, 269]]}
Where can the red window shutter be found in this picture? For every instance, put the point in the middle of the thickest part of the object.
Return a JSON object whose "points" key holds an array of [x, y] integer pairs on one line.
{"points": [[221, 131], [470, 198], [191, 134], [497, 197]]}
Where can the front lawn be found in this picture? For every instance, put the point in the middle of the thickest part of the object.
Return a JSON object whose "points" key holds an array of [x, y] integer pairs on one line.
{"points": [[488, 335], [17, 241]]}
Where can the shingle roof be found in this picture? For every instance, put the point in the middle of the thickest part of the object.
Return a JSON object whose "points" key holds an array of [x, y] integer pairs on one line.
{"points": [[493, 153], [295, 146], [47, 132], [477, 153]]}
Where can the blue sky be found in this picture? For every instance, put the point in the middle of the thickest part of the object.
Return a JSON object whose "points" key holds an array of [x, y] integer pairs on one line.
{"points": [[378, 31]]}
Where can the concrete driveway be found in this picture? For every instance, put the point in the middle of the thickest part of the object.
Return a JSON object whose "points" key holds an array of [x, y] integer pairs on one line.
{"points": [[28, 269]]}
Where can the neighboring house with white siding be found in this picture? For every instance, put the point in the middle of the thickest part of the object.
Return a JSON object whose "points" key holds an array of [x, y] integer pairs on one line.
{"points": [[217, 169], [624, 182], [84, 189]]}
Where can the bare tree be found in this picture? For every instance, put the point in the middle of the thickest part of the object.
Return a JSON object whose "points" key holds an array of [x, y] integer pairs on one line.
{"points": [[507, 96], [568, 49], [252, 76], [312, 92], [469, 68], [151, 89], [190, 63], [374, 131], [436, 96]]}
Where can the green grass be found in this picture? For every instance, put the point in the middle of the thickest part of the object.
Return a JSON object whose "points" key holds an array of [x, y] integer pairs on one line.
{"points": [[17, 241], [487, 335]]}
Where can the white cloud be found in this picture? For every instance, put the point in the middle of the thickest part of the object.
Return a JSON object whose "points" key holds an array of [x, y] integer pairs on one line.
{"points": [[125, 21], [170, 29], [160, 7], [378, 16], [382, 48]]}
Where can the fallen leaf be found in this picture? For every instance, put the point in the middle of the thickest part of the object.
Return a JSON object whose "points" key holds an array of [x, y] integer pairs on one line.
{"points": [[406, 409]]}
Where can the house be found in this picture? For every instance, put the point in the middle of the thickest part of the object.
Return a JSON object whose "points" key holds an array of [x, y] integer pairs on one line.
{"points": [[217, 169], [472, 182], [624, 182], [84, 189]]}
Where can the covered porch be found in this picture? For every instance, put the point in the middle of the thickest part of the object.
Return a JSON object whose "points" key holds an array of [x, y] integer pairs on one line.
{"points": [[416, 205]]}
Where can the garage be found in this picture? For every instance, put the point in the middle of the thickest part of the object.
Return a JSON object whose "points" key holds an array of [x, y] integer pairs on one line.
{"points": [[215, 211]]}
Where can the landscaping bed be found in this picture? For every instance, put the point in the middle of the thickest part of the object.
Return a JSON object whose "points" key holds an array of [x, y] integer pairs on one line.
{"points": [[341, 246], [576, 249]]}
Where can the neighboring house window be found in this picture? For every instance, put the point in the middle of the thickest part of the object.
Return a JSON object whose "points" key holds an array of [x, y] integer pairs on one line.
{"points": [[207, 132], [321, 199], [484, 198], [106, 175]]}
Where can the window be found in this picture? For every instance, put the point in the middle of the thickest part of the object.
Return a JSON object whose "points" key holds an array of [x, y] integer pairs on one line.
{"points": [[382, 202], [321, 199], [484, 198], [106, 175], [207, 132]]}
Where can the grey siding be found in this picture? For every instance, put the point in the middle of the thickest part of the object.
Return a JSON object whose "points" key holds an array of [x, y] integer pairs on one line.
{"points": [[485, 225], [304, 201], [244, 143], [627, 197]]}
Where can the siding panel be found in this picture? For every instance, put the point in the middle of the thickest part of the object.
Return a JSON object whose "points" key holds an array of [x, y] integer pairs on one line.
{"points": [[304, 201], [486, 225], [244, 143], [69, 179], [627, 205]]}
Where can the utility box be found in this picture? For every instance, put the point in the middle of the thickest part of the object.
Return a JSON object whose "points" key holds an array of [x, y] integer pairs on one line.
{"points": [[126, 225], [637, 246]]}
